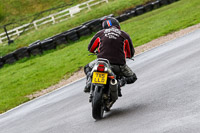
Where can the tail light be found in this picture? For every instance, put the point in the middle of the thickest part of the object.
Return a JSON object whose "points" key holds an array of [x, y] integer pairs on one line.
{"points": [[111, 77], [101, 68]]}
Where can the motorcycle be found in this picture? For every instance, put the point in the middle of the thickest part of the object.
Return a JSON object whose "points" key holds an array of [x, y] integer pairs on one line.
{"points": [[104, 88]]}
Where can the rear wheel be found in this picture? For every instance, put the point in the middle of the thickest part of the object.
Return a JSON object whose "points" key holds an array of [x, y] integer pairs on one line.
{"points": [[97, 103]]}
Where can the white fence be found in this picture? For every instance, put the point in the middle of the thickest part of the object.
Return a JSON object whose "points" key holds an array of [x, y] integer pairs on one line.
{"points": [[53, 18]]}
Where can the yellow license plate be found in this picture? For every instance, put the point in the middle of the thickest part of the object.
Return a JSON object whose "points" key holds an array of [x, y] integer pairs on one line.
{"points": [[99, 78]]}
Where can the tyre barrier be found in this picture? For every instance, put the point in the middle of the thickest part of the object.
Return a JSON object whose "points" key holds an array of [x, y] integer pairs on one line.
{"points": [[122, 17], [156, 4], [139, 10], [9, 58], [21, 53], [1, 63], [171, 1], [83, 31], [164, 2], [48, 44], [131, 14], [71, 35], [94, 25], [59, 39], [35, 48], [148, 7], [74, 34]]}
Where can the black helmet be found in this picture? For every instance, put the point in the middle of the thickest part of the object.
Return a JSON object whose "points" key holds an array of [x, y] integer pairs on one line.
{"points": [[109, 22]]}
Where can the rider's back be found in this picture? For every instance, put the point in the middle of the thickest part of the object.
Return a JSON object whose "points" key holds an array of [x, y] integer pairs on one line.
{"points": [[113, 44]]}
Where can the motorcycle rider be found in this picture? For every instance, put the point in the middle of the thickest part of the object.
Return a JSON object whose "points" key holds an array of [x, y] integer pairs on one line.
{"points": [[115, 45]]}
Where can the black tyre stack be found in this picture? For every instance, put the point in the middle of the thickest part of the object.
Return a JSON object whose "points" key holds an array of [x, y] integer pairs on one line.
{"points": [[35, 48], [21, 53], [156, 4], [48, 44], [94, 25], [83, 31], [164, 2], [71, 35], [148, 7], [1, 63], [9, 58], [139, 10], [59, 39]]}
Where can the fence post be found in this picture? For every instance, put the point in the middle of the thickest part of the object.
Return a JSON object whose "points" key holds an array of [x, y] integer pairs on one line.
{"points": [[35, 25], [71, 15], [9, 41], [74, 10], [53, 19], [17, 32], [1, 40], [88, 6]]}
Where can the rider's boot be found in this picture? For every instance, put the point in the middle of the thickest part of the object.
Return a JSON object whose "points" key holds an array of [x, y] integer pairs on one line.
{"points": [[122, 82], [119, 92]]}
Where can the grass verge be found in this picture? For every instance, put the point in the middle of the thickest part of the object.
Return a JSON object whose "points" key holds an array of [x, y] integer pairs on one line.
{"points": [[40, 72]]}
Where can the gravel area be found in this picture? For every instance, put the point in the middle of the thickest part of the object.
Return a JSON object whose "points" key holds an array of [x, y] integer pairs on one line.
{"points": [[154, 43]]}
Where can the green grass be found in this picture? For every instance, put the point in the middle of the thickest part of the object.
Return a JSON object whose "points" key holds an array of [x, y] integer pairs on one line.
{"points": [[30, 75], [114, 7], [1, 13], [15, 10]]}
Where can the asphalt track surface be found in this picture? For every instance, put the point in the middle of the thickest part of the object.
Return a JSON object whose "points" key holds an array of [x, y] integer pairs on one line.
{"points": [[164, 99]]}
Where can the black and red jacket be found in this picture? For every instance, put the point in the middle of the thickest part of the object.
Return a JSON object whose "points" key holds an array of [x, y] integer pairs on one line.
{"points": [[112, 44]]}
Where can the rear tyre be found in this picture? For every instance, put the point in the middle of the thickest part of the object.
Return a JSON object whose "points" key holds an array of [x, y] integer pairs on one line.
{"points": [[97, 103]]}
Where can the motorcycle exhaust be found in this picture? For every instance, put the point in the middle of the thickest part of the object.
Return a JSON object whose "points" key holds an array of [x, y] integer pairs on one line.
{"points": [[114, 89]]}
